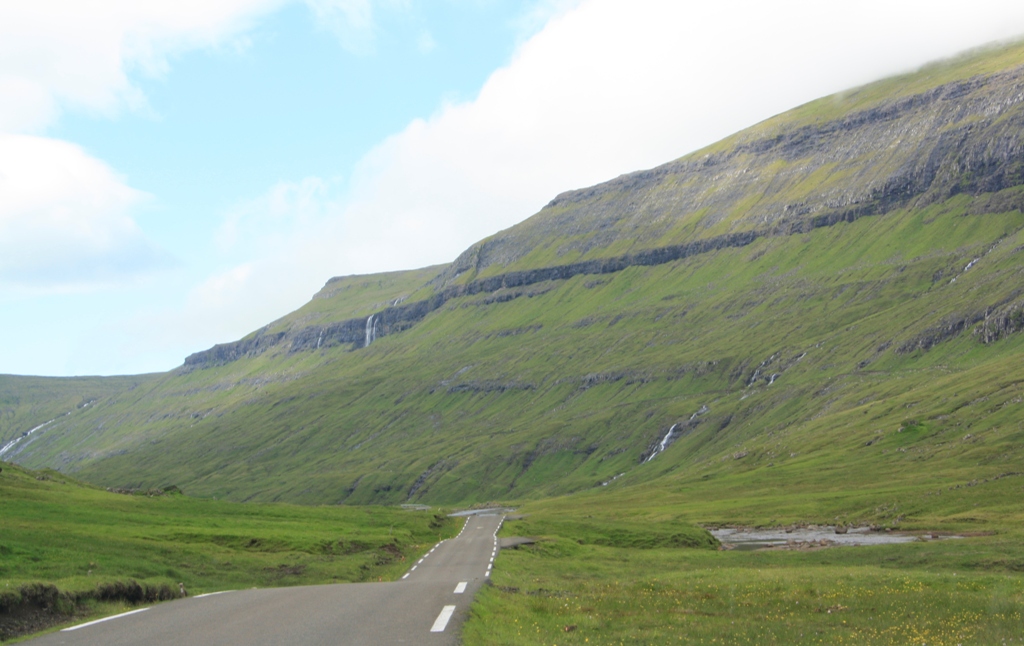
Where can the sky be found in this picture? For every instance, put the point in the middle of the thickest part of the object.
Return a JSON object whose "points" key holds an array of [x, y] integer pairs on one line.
{"points": [[179, 173]]}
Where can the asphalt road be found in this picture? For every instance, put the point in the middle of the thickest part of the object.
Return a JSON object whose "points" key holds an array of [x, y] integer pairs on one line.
{"points": [[427, 606]]}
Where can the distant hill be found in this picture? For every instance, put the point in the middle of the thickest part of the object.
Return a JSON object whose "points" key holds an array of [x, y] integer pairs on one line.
{"points": [[834, 293]]}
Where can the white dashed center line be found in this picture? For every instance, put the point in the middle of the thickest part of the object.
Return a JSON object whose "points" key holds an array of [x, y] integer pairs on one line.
{"points": [[459, 589], [442, 619]]}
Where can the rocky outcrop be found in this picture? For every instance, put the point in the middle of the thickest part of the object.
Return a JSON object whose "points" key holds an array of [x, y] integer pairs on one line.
{"points": [[1000, 322], [477, 387], [951, 327], [314, 338], [227, 352], [400, 317], [990, 324]]}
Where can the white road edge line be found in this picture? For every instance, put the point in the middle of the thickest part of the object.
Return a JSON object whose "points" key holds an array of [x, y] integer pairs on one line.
{"points": [[406, 576], [210, 594], [100, 621], [442, 619], [459, 589]]}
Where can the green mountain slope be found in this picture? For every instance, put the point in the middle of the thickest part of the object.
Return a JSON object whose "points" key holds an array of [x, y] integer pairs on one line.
{"points": [[26, 403], [832, 296]]}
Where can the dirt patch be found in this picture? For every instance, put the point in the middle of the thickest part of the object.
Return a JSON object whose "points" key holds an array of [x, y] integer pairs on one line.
{"points": [[31, 618]]}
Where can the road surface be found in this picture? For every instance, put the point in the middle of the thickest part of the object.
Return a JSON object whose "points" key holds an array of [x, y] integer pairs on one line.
{"points": [[427, 606]]}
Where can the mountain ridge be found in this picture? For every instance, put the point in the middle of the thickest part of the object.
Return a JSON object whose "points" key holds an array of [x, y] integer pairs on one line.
{"points": [[789, 304], [982, 169]]}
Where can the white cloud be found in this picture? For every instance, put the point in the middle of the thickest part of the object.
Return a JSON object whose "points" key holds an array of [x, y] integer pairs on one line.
{"points": [[287, 206], [425, 42], [64, 219], [538, 14], [56, 54]]}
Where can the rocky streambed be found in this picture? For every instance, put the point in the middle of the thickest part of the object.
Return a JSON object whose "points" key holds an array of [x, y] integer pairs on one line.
{"points": [[814, 537]]}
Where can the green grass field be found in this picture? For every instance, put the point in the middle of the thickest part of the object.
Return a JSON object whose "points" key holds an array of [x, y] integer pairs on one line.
{"points": [[571, 594], [605, 572], [81, 539]]}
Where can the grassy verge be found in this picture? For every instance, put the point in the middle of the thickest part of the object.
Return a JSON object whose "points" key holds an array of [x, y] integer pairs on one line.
{"points": [[590, 582], [39, 607], [83, 545]]}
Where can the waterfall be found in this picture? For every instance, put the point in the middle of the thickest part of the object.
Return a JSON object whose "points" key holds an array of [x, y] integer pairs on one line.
{"points": [[664, 440], [662, 444], [319, 340], [10, 445], [370, 335], [607, 482]]}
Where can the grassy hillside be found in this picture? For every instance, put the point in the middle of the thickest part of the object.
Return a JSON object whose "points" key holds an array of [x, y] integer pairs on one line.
{"points": [[574, 385]]}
